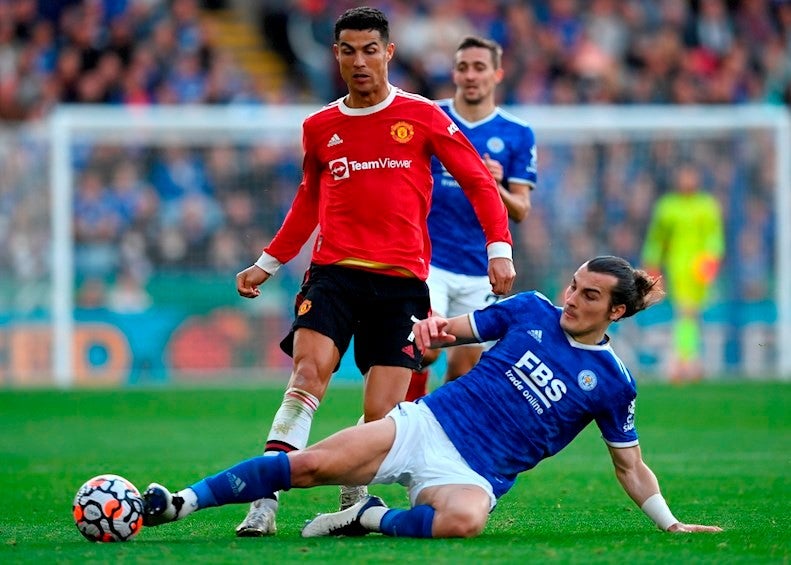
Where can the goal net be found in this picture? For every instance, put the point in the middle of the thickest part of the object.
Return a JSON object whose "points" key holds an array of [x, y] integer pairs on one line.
{"points": [[123, 229]]}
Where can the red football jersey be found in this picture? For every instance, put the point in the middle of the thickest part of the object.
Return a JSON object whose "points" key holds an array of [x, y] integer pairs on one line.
{"points": [[367, 184]]}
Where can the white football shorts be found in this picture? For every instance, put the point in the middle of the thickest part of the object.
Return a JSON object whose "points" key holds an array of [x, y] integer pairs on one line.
{"points": [[453, 294], [422, 456]]}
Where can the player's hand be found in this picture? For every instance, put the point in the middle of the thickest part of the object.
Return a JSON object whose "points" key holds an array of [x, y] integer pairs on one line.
{"points": [[501, 275], [679, 528], [248, 281], [431, 332], [706, 268], [494, 167]]}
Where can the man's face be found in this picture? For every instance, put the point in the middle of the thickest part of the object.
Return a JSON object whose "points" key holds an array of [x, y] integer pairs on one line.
{"points": [[362, 58], [687, 180], [587, 312], [474, 75]]}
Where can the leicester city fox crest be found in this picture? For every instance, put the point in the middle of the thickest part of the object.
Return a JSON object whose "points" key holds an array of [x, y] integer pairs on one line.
{"points": [[495, 144], [587, 380]]}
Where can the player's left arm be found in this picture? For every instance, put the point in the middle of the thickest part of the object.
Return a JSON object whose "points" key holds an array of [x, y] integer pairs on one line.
{"points": [[707, 263], [640, 483], [519, 172], [516, 199], [436, 331], [715, 239]]}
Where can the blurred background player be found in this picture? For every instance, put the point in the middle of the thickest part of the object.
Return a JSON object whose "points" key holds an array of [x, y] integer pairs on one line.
{"points": [[366, 278], [685, 241], [458, 280]]}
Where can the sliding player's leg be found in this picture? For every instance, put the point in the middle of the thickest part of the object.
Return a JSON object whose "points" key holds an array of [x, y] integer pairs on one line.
{"points": [[448, 498], [350, 456]]}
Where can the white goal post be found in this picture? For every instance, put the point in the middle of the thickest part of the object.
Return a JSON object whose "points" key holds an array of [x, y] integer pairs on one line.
{"points": [[573, 125]]}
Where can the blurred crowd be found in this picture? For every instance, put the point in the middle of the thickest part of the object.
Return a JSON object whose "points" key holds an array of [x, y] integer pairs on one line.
{"points": [[567, 51], [555, 51], [111, 52], [185, 208]]}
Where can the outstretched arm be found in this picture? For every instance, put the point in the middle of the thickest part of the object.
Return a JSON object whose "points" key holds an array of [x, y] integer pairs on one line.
{"points": [[436, 331], [641, 485]]}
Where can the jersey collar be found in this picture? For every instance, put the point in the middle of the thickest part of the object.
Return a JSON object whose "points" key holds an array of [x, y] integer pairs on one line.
{"points": [[470, 125], [345, 110], [598, 347]]}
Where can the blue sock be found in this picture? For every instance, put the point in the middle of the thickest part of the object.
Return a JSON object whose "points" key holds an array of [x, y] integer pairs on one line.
{"points": [[259, 477], [413, 523]]}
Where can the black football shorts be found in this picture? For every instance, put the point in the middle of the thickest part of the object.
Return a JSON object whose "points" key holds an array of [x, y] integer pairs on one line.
{"points": [[377, 310]]}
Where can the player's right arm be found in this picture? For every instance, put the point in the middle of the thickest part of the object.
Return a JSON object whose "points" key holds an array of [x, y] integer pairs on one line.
{"points": [[656, 238], [640, 483], [248, 281], [299, 224]]}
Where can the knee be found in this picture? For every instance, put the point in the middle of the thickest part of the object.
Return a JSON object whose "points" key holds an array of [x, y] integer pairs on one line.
{"points": [[460, 524], [308, 376], [305, 468]]}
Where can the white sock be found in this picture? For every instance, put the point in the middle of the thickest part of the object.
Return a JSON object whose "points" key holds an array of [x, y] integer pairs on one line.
{"points": [[291, 425], [190, 502], [372, 517]]}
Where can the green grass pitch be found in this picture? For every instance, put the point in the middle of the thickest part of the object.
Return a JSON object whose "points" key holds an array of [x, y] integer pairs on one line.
{"points": [[721, 452]]}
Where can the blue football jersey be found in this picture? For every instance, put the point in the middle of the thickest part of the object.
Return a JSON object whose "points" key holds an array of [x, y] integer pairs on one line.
{"points": [[457, 241], [533, 392]]}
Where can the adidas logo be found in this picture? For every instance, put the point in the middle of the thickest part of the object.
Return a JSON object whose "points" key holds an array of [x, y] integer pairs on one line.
{"points": [[536, 334], [334, 140], [237, 484]]}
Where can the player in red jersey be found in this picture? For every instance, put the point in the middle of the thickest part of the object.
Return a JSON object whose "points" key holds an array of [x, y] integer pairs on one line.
{"points": [[367, 185]]}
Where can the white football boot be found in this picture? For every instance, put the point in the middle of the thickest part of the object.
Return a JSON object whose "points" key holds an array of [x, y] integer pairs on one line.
{"points": [[343, 523]]}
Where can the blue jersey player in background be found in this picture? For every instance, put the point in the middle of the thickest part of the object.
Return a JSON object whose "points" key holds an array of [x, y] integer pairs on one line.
{"points": [[551, 373], [458, 275]]}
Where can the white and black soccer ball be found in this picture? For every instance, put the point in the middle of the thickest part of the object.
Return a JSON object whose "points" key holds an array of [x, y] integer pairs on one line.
{"points": [[108, 508]]}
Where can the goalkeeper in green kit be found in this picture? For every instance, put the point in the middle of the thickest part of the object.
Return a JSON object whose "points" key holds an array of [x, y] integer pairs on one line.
{"points": [[685, 240]]}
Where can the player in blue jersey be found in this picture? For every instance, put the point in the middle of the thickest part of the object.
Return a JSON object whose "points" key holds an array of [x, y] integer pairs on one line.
{"points": [[458, 281], [457, 450]]}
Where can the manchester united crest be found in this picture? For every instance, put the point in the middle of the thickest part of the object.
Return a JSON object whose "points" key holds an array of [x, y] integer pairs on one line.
{"points": [[402, 132], [304, 307]]}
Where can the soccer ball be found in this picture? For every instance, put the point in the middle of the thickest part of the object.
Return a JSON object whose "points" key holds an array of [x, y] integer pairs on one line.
{"points": [[108, 508]]}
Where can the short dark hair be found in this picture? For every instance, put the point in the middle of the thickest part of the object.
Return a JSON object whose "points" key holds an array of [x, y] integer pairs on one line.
{"points": [[363, 18], [476, 41], [635, 289]]}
